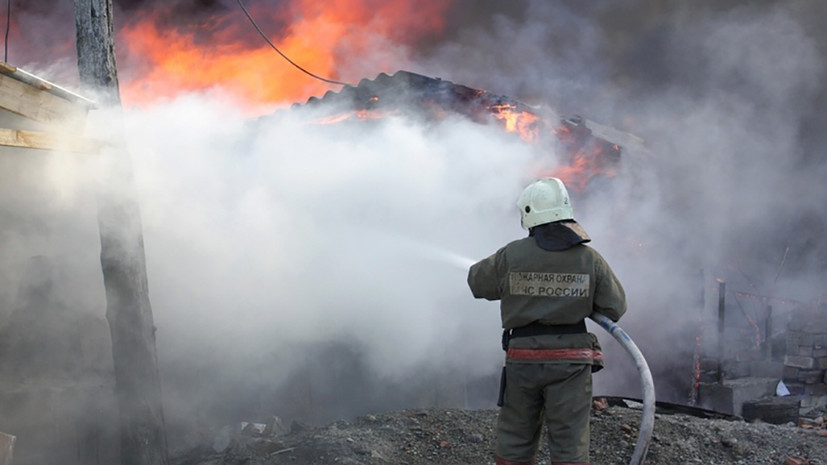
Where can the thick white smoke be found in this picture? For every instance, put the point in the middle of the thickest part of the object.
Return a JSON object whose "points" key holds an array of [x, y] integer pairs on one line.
{"points": [[267, 240], [723, 97], [281, 249]]}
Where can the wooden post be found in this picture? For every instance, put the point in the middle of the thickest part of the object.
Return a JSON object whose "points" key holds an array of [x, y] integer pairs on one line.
{"points": [[721, 315], [768, 334], [128, 309], [6, 448]]}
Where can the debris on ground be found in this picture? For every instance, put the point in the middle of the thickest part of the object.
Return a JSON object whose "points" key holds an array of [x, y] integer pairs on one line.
{"points": [[463, 437]]}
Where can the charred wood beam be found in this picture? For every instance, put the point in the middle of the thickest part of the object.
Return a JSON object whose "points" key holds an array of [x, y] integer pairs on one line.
{"points": [[721, 328], [128, 309], [35, 102], [47, 141]]}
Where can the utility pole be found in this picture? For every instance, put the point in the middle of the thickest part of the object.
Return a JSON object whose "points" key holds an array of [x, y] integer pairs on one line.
{"points": [[128, 309]]}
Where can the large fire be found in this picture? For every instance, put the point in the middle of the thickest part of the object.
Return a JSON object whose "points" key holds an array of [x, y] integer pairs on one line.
{"points": [[226, 57], [164, 52]]}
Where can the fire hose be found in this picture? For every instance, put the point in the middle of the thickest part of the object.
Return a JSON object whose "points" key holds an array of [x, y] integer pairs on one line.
{"points": [[647, 422]]}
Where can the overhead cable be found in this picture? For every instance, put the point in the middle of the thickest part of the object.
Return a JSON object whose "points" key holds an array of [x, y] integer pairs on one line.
{"points": [[266, 39], [8, 26]]}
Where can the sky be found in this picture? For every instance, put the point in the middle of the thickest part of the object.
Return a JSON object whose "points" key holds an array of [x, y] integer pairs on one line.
{"points": [[319, 272]]}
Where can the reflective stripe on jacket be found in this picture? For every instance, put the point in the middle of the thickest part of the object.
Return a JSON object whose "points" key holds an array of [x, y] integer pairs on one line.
{"points": [[553, 288], [549, 287]]}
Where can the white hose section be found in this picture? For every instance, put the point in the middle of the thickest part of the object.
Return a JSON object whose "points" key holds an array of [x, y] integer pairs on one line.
{"points": [[647, 422]]}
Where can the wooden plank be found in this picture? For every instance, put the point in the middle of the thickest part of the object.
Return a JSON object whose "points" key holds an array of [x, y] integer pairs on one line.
{"points": [[6, 448], [47, 141], [33, 103]]}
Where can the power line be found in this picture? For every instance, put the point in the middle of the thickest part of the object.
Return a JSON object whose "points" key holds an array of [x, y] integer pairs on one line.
{"points": [[264, 36], [8, 26]]}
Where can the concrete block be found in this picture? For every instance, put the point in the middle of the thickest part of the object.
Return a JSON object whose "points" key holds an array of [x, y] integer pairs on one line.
{"points": [[790, 373], [795, 387], [819, 351], [799, 361], [735, 369], [747, 389], [800, 338], [811, 376], [775, 410], [813, 402], [731, 396], [821, 363], [766, 369], [805, 351], [713, 396], [820, 340], [791, 348], [816, 392]]}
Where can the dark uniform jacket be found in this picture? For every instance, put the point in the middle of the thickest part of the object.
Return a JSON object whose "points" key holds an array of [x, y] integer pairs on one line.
{"points": [[551, 287]]}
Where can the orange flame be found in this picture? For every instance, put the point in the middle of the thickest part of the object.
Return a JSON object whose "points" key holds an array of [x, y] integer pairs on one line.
{"points": [[520, 122], [236, 63], [361, 115], [584, 158]]}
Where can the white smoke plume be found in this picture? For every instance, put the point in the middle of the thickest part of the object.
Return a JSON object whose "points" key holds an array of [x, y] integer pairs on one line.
{"points": [[311, 271]]}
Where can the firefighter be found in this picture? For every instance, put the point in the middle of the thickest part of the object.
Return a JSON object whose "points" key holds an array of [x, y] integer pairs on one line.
{"points": [[547, 283]]}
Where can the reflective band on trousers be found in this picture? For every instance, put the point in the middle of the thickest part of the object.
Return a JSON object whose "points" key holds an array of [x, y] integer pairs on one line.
{"points": [[555, 354]]}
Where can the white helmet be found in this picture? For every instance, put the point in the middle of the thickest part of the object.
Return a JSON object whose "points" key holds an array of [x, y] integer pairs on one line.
{"points": [[544, 201]]}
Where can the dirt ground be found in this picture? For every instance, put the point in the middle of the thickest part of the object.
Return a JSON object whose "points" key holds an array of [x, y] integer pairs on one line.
{"points": [[454, 437]]}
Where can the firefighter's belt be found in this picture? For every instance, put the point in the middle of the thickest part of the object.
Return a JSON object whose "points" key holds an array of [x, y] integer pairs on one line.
{"points": [[538, 329], [555, 354]]}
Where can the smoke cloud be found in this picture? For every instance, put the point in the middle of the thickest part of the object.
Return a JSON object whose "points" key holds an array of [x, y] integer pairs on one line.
{"points": [[310, 271]]}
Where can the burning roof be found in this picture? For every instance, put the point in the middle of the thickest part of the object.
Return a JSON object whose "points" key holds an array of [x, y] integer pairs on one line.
{"points": [[582, 154]]}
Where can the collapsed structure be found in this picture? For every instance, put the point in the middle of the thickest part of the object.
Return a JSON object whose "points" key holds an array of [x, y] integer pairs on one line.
{"points": [[754, 363], [588, 151]]}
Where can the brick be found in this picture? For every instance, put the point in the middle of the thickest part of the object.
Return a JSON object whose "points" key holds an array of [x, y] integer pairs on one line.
{"points": [[790, 372], [799, 361], [800, 338], [796, 388], [819, 352], [820, 340], [805, 351], [821, 363], [811, 376], [734, 369], [791, 348], [818, 394]]}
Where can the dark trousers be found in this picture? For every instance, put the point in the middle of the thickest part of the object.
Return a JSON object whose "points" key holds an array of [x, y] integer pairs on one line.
{"points": [[558, 395]]}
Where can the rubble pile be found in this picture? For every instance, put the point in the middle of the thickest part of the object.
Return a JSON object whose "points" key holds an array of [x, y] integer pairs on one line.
{"points": [[463, 437], [805, 362]]}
